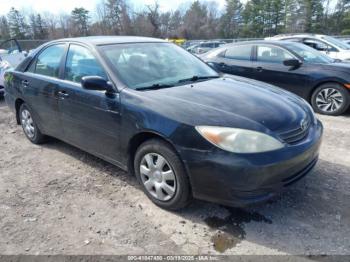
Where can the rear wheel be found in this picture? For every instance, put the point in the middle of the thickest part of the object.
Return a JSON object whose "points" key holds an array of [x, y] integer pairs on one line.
{"points": [[162, 175], [29, 126], [330, 99]]}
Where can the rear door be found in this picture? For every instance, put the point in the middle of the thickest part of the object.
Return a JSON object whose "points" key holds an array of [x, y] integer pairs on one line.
{"points": [[91, 119], [39, 87], [269, 68], [236, 60]]}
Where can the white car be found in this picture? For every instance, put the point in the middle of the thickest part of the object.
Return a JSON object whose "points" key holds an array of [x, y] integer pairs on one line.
{"points": [[334, 48], [11, 55]]}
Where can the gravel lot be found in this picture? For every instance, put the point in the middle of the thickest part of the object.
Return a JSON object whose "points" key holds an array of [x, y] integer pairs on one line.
{"points": [[56, 199]]}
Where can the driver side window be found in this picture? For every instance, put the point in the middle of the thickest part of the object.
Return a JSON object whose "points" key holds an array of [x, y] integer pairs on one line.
{"points": [[80, 62]]}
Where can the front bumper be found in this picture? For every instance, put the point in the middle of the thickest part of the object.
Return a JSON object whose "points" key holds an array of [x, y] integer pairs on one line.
{"points": [[242, 179]]}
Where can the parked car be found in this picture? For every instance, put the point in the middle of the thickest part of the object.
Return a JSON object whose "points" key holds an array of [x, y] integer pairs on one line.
{"points": [[192, 48], [346, 41], [334, 48], [11, 55], [204, 47], [150, 107], [295, 67]]}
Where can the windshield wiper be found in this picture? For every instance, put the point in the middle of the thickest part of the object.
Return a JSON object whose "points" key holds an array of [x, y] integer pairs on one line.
{"points": [[154, 86], [196, 78]]}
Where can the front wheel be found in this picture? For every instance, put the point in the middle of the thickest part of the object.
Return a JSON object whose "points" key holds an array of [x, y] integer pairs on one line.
{"points": [[330, 99], [162, 175]]}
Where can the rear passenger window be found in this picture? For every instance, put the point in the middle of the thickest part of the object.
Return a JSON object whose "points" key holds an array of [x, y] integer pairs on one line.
{"points": [[80, 63], [240, 52], [48, 62]]}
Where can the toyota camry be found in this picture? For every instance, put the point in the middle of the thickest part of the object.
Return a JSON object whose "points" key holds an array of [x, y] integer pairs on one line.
{"points": [[155, 110]]}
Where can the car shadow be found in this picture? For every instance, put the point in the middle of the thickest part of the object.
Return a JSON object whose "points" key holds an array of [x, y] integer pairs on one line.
{"points": [[311, 217]]}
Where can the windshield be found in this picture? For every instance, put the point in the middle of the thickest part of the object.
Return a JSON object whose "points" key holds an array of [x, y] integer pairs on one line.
{"points": [[338, 43], [142, 65], [309, 54]]}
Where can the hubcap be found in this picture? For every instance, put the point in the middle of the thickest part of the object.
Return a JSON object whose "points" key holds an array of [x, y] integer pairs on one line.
{"points": [[27, 123], [157, 176], [329, 100]]}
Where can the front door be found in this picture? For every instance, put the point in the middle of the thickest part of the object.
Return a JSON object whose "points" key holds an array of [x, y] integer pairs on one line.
{"points": [[91, 119], [269, 68]]}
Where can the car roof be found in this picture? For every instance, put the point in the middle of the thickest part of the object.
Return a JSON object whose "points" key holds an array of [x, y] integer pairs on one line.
{"points": [[295, 35], [257, 42], [106, 40]]}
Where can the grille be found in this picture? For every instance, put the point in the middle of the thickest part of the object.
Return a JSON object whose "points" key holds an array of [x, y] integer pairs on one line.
{"points": [[296, 135]]}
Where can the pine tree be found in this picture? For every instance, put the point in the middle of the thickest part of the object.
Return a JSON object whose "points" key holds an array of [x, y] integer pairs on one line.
{"points": [[195, 20], [4, 28], [17, 24], [231, 20], [42, 32], [80, 17]]}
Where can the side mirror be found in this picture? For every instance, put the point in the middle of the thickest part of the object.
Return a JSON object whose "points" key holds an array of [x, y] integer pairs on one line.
{"points": [[292, 63], [96, 83]]}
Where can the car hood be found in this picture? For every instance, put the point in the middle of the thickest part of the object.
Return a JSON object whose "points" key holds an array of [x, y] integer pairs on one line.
{"points": [[229, 101]]}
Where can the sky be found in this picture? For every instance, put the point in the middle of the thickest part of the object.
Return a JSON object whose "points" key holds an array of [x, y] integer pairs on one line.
{"points": [[61, 6]]}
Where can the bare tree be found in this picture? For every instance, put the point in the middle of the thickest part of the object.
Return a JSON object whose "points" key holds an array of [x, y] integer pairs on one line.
{"points": [[154, 18]]}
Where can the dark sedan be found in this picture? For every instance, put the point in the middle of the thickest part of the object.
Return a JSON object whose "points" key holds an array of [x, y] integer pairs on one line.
{"points": [[152, 108], [320, 80]]}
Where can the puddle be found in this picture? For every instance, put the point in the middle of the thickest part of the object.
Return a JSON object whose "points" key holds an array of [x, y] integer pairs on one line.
{"points": [[231, 228], [223, 241]]}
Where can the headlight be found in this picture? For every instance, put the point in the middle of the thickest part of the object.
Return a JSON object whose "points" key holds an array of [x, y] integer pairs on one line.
{"points": [[239, 140]]}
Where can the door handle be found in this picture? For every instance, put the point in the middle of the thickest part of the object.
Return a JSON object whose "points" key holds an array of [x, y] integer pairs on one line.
{"points": [[259, 69], [63, 94], [25, 83]]}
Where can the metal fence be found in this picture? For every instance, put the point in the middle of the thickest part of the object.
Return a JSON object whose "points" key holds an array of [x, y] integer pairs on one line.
{"points": [[31, 44]]}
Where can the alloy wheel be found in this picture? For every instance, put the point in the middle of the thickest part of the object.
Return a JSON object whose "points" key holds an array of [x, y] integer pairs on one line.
{"points": [[158, 177], [329, 100], [27, 123]]}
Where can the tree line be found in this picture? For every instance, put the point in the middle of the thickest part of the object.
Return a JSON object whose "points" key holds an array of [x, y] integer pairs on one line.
{"points": [[199, 20]]}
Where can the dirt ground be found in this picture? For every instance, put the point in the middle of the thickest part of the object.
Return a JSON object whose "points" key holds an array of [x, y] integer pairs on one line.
{"points": [[57, 199]]}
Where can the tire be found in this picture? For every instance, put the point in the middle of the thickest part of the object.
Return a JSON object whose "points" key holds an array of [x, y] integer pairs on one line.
{"points": [[336, 103], [26, 120], [172, 194]]}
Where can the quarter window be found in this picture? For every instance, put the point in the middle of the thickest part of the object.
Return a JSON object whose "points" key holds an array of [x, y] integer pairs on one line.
{"points": [[48, 61], [80, 63], [242, 52], [272, 54]]}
